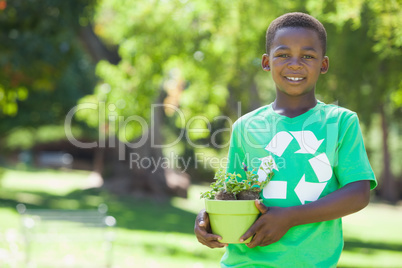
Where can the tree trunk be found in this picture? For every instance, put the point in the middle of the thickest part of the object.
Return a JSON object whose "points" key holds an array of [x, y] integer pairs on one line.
{"points": [[121, 175], [142, 171], [388, 185], [96, 48], [98, 162]]}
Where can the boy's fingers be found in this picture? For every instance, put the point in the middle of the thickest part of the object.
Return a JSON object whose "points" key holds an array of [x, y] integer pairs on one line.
{"points": [[201, 222], [204, 236], [211, 241], [215, 244], [260, 206], [253, 229], [212, 237], [207, 236], [250, 232], [256, 241], [219, 244], [204, 218]]}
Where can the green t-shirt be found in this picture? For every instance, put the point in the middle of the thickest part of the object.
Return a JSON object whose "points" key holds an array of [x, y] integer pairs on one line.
{"points": [[315, 154]]}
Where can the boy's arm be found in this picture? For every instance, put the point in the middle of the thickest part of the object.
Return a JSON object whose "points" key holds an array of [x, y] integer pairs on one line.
{"points": [[276, 221]]}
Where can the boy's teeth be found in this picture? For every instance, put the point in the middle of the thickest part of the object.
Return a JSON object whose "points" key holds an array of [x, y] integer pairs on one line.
{"points": [[294, 78]]}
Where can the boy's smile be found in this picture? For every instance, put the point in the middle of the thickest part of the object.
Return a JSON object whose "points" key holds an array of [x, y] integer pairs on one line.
{"points": [[296, 60]]}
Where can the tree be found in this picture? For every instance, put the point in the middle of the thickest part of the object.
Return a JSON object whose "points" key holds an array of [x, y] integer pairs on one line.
{"points": [[44, 69], [367, 56], [38, 47], [183, 54], [204, 56]]}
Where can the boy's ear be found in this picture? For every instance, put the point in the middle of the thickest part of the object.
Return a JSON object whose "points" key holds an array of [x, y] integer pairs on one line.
{"points": [[325, 65], [265, 63]]}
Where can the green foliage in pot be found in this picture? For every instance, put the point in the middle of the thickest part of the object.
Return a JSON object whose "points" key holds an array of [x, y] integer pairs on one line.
{"points": [[230, 186]]}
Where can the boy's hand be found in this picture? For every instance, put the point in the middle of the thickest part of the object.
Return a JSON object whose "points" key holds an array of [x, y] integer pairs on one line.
{"points": [[202, 230], [270, 226]]}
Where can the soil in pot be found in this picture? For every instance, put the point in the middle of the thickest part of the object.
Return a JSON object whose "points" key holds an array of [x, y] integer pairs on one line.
{"points": [[248, 195], [223, 195]]}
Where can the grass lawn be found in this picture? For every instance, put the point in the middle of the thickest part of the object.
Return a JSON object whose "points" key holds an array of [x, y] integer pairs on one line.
{"points": [[151, 234]]}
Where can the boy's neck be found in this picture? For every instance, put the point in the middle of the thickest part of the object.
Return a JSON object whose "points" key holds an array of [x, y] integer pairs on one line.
{"points": [[292, 107]]}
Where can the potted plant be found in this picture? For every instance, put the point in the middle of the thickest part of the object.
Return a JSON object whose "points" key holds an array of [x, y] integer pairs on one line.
{"points": [[230, 202]]}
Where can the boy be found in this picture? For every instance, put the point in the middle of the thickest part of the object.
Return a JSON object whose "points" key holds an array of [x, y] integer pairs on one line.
{"points": [[322, 172]]}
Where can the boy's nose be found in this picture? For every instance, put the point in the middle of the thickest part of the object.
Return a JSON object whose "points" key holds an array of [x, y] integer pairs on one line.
{"points": [[295, 64]]}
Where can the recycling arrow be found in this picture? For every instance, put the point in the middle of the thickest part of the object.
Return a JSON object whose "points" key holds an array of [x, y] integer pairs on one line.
{"points": [[321, 166], [279, 143], [309, 191], [276, 190], [307, 141], [309, 144]]}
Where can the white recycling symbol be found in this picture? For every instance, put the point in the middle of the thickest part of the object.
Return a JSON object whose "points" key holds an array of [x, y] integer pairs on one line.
{"points": [[305, 191]]}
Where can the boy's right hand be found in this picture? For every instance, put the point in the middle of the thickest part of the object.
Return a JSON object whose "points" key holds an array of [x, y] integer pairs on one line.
{"points": [[202, 230]]}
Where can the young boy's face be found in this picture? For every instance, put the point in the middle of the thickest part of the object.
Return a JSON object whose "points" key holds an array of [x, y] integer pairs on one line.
{"points": [[296, 60]]}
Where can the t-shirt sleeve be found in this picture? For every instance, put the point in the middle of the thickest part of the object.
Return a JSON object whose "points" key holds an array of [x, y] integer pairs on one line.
{"points": [[352, 161], [236, 154]]}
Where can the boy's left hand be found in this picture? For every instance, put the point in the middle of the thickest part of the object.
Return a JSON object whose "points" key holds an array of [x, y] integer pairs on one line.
{"points": [[270, 226]]}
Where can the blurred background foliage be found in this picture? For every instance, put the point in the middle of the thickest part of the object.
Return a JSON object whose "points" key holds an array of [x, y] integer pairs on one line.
{"points": [[119, 61], [176, 73]]}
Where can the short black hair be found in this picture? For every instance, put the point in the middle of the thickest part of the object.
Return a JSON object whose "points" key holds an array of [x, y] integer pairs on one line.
{"points": [[294, 20]]}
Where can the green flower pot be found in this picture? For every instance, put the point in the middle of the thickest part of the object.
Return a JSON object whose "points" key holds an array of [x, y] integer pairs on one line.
{"points": [[231, 218]]}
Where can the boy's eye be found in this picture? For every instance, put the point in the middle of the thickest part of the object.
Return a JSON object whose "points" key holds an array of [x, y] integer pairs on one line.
{"points": [[283, 56], [307, 57]]}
